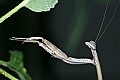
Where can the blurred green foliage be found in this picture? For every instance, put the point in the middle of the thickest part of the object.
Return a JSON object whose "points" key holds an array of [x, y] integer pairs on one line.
{"points": [[16, 64]]}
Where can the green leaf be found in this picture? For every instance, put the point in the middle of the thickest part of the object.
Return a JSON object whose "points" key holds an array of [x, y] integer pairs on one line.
{"points": [[16, 65], [41, 5]]}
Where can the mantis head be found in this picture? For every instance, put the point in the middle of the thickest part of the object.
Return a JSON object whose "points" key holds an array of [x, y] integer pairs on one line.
{"points": [[91, 45]]}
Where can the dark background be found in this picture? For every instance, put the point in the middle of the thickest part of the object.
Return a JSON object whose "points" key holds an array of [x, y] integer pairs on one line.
{"points": [[68, 26]]}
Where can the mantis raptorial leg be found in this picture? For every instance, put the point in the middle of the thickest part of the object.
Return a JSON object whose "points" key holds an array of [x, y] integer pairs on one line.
{"points": [[57, 53], [53, 50]]}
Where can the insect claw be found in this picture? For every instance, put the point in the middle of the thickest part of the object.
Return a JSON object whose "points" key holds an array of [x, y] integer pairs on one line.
{"points": [[26, 39], [17, 39], [24, 42]]}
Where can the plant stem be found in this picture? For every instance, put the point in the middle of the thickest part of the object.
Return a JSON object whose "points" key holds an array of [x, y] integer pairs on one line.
{"points": [[22, 4], [9, 76]]}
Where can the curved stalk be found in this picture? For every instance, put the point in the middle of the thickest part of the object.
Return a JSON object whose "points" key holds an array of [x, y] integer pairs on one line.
{"points": [[9, 76], [22, 4]]}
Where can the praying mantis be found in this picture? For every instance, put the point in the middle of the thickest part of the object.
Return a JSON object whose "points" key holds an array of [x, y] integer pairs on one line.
{"points": [[57, 53]]}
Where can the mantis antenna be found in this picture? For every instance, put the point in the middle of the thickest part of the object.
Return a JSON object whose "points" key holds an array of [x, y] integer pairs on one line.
{"points": [[99, 32]]}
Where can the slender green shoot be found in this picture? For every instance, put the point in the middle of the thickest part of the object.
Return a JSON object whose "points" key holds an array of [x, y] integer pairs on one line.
{"points": [[22, 4], [6, 74]]}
